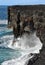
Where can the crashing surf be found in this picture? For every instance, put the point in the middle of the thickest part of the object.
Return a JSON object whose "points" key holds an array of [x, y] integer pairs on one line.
{"points": [[27, 44]]}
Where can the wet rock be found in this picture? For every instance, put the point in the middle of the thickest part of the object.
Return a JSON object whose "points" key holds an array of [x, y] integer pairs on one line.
{"points": [[33, 60]]}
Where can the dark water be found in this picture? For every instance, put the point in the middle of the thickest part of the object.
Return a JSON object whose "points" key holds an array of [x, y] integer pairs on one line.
{"points": [[3, 25]]}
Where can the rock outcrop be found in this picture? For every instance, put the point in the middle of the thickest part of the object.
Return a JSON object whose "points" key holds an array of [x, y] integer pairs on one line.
{"points": [[39, 24], [38, 13]]}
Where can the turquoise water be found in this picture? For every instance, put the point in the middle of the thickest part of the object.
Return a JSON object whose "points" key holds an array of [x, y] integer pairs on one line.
{"points": [[7, 53], [4, 30]]}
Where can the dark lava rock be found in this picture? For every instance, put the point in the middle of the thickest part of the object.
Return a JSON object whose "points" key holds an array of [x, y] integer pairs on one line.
{"points": [[32, 60], [41, 59]]}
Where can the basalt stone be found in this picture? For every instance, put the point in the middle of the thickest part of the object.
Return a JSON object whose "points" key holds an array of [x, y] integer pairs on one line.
{"points": [[33, 60]]}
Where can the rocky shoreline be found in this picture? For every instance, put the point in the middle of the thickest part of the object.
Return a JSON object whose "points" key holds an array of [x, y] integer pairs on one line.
{"points": [[38, 14]]}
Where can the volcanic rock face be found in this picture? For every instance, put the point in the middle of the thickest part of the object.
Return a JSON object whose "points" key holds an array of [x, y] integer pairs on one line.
{"points": [[38, 13], [41, 33], [39, 24]]}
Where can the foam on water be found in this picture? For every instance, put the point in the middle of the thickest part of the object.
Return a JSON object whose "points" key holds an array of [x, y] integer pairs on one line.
{"points": [[3, 21], [26, 44]]}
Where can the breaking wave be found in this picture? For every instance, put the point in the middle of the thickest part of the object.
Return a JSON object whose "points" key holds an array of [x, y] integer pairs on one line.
{"points": [[27, 44]]}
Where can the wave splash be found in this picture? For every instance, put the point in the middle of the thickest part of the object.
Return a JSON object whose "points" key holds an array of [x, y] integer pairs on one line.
{"points": [[27, 44]]}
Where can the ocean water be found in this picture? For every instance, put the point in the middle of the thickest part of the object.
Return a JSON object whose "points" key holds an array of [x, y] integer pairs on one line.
{"points": [[6, 53], [20, 52], [4, 30], [3, 12]]}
